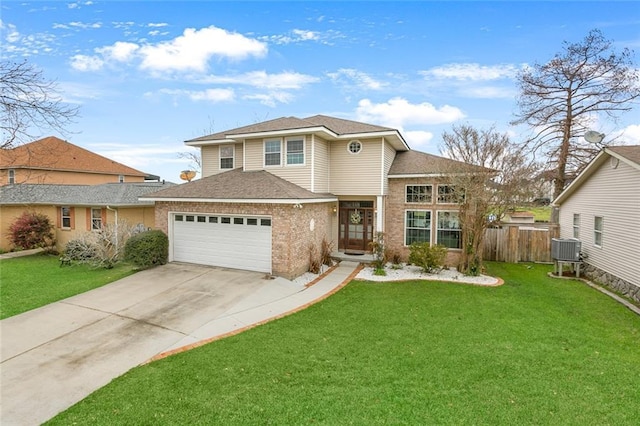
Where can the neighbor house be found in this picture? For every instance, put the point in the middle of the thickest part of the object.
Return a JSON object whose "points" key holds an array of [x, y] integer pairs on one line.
{"points": [[601, 208], [53, 161], [271, 192], [75, 209], [77, 189]]}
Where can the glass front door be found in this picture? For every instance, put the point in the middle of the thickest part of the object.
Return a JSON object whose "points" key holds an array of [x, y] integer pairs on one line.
{"points": [[356, 226]]}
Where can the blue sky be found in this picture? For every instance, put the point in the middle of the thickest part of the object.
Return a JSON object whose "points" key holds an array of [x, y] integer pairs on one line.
{"points": [[149, 75]]}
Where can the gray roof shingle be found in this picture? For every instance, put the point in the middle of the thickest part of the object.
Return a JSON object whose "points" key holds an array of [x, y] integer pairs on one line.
{"points": [[630, 152], [420, 163], [109, 194], [238, 185]]}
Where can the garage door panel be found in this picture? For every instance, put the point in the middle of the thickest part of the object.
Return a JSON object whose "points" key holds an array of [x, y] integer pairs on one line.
{"points": [[231, 245]]}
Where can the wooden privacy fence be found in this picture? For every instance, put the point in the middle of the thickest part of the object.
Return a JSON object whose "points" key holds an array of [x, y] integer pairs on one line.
{"points": [[512, 244]]}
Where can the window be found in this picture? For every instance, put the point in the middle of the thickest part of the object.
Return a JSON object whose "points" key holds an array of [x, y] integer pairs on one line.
{"points": [[417, 227], [295, 151], [265, 222], [213, 219], [65, 215], [419, 194], [238, 221], [576, 225], [226, 157], [598, 227], [225, 220], [272, 152], [190, 219], [12, 176], [96, 219], [354, 147], [121, 178], [447, 194], [179, 218], [202, 219], [449, 233], [251, 221]]}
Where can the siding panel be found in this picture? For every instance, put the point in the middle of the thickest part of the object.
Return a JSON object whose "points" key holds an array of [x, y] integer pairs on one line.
{"points": [[356, 174], [613, 194]]}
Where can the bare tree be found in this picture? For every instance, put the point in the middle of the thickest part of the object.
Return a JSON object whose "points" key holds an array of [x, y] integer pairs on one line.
{"points": [[29, 102], [502, 179], [560, 99]]}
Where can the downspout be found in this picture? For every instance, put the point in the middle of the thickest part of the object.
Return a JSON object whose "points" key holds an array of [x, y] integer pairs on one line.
{"points": [[116, 227]]}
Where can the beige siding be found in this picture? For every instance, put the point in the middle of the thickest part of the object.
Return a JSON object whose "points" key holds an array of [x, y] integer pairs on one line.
{"points": [[614, 195], [389, 156], [297, 174], [211, 159], [356, 174], [321, 165]]}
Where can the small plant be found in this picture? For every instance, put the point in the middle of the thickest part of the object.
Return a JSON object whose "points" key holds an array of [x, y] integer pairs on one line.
{"points": [[380, 272], [315, 263], [32, 230], [326, 248], [80, 250], [429, 258], [377, 246], [146, 249], [396, 259]]}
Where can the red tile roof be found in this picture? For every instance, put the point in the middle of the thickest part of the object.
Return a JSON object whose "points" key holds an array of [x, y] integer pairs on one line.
{"points": [[52, 153]]}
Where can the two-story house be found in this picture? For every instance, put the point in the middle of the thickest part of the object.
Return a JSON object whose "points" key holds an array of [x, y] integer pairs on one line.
{"points": [[271, 190], [77, 189]]}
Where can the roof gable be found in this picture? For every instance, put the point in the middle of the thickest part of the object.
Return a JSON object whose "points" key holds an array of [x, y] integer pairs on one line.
{"points": [[52, 153], [630, 154]]}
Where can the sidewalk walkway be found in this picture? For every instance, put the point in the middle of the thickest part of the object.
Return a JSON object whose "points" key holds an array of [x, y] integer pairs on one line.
{"points": [[53, 357]]}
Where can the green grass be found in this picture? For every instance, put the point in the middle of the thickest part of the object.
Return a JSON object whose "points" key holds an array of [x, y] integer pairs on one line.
{"points": [[540, 213], [30, 282], [533, 351]]}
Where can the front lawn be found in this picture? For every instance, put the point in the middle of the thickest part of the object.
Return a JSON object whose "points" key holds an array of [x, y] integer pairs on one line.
{"points": [[32, 281], [534, 351]]}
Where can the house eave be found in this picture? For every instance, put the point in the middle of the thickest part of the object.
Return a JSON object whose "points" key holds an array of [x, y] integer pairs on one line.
{"points": [[246, 201], [584, 175]]}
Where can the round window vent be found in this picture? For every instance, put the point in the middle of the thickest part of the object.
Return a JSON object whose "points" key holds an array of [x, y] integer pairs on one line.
{"points": [[354, 147]]}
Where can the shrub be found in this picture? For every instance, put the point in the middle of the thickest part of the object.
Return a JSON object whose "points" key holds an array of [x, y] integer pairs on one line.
{"points": [[146, 249], [315, 262], [325, 252], [32, 230], [429, 258], [80, 250], [379, 255]]}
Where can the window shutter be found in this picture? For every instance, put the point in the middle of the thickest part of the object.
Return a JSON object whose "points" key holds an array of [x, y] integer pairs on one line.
{"points": [[72, 215], [59, 218], [88, 217]]}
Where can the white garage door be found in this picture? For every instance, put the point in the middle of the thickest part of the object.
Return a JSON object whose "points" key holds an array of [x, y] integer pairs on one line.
{"points": [[239, 242]]}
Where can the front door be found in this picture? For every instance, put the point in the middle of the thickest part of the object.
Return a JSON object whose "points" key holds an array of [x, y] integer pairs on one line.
{"points": [[356, 226]]}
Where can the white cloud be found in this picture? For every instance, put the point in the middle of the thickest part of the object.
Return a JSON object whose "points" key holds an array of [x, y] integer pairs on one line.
{"points": [[157, 25], [630, 135], [418, 138], [120, 51], [86, 63], [84, 26], [398, 112], [194, 48], [208, 95], [489, 92], [300, 36], [361, 79], [284, 80], [191, 51], [472, 71], [271, 99]]}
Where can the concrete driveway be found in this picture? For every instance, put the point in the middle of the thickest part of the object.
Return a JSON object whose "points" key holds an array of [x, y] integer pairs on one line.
{"points": [[54, 356]]}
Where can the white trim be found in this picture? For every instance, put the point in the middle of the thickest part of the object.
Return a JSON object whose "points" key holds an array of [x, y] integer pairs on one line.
{"points": [[451, 229], [280, 133], [622, 158], [233, 156], [598, 231], [355, 141], [313, 163], [243, 201], [382, 174], [436, 195], [244, 154], [424, 175], [379, 212], [210, 142]]}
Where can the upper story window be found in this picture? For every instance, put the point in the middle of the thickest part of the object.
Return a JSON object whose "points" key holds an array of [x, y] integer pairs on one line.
{"points": [[447, 194], [96, 219], [576, 225], [272, 152], [12, 176], [121, 178], [354, 147], [419, 194], [226, 157], [598, 228], [295, 151]]}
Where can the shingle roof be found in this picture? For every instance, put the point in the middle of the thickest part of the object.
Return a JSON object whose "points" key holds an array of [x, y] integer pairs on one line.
{"points": [[421, 163], [630, 152], [336, 125], [238, 185], [108, 194], [52, 153]]}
